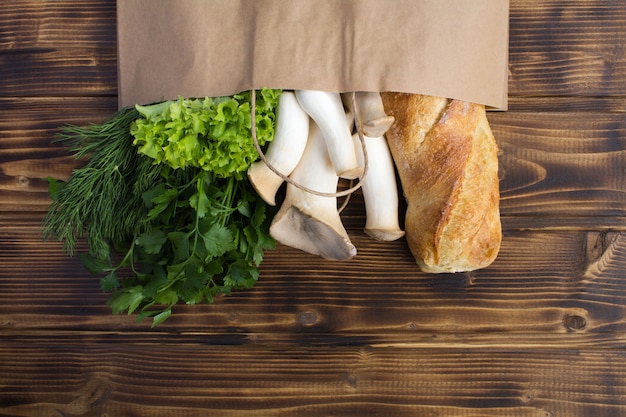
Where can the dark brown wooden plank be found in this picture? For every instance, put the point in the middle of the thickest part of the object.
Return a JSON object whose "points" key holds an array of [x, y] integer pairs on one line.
{"points": [[539, 333], [567, 48], [548, 283], [567, 104], [548, 170], [43, 42], [27, 152], [58, 24], [561, 164], [122, 379], [44, 73]]}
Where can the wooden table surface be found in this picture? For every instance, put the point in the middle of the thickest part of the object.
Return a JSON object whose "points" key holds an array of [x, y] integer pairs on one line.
{"points": [[541, 332]]}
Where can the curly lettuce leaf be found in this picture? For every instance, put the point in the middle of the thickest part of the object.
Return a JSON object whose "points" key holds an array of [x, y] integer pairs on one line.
{"points": [[210, 133]]}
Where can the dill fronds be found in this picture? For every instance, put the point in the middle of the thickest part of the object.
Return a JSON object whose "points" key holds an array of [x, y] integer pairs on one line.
{"points": [[102, 200]]}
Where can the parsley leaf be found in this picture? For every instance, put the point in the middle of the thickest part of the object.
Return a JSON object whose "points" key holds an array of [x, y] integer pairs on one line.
{"points": [[165, 204]]}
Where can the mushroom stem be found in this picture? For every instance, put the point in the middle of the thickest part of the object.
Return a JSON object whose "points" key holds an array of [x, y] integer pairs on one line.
{"points": [[379, 189], [369, 106], [311, 222], [327, 110], [285, 151]]}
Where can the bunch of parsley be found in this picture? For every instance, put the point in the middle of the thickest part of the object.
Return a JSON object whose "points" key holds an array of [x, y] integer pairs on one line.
{"points": [[164, 203]]}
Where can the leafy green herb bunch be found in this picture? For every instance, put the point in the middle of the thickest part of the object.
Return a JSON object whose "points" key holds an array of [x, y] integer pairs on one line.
{"points": [[164, 203]]}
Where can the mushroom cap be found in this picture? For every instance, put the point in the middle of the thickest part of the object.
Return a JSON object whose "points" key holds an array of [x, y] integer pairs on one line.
{"points": [[294, 228]]}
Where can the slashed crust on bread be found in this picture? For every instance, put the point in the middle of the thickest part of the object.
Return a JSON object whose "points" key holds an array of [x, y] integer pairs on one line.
{"points": [[446, 157]]}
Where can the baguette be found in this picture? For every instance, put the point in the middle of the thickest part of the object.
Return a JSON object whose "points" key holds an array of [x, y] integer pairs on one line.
{"points": [[447, 161]]}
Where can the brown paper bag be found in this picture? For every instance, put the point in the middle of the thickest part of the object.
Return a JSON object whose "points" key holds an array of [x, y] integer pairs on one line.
{"points": [[196, 48]]}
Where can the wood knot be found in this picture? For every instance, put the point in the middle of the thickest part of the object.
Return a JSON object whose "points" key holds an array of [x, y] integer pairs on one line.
{"points": [[8, 324], [350, 380], [574, 322], [412, 326], [95, 392], [528, 396], [601, 250], [307, 318], [22, 180]]}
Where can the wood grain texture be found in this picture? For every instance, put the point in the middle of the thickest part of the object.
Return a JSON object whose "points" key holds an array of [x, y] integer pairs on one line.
{"points": [[43, 42], [540, 333], [567, 48], [544, 168], [570, 291], [135, 380], [548, 171]]}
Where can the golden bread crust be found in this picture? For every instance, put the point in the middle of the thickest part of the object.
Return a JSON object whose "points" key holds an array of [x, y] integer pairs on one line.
{"points": [[446, 157]]}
